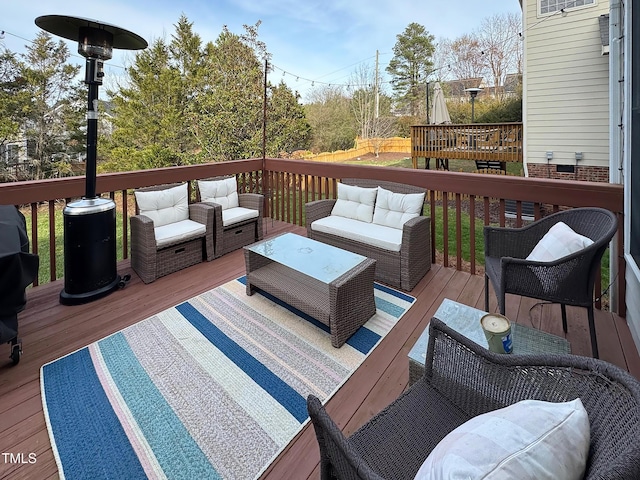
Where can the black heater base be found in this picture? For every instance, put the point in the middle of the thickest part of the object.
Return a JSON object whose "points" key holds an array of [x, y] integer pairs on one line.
{"points": [[80, 298], [89, 251]]}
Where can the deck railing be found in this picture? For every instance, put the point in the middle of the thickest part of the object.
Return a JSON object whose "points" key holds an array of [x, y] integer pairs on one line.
{"points": [[459, 204], [482, 142]]}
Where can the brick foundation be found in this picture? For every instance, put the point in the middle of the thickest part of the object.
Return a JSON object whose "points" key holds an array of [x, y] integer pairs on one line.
{"points": [[588, 174]]}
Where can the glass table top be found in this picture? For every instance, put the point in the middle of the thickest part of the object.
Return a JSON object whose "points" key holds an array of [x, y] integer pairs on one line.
{"points": [[315, 259]]}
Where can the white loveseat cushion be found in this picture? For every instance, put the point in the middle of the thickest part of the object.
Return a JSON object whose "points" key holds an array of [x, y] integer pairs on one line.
{"points": [[395, 209], [178, 232], [234, 215], [558, 242], [530, 440], [373, 234], [223, 192], [355, 202], [166, 206]]}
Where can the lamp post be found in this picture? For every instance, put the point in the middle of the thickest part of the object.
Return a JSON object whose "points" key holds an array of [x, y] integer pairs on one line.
{"points": [[473, 93], [90, 223]]}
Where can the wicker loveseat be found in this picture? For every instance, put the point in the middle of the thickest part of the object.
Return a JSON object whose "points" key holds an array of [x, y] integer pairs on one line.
{"points": [[399, 242], [463, 380]]}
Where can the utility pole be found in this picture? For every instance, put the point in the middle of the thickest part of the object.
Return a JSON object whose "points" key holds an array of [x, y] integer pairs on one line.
{"points": [[377, 90]]}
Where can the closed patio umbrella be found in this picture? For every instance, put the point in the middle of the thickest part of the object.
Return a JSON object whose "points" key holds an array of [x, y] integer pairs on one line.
{"points": [[439, 115], [439, 112]]}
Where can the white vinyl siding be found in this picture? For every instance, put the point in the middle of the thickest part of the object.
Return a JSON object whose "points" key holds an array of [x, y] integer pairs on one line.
{"points": [[566, 104]]}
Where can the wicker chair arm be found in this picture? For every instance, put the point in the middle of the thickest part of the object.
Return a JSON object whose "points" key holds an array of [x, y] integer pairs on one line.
{"points": [[202, 213], [415, 234], [254, 201], [144, 249], [318, 209], [205, 213], [344, 459], [142, 230], [509, 242]]}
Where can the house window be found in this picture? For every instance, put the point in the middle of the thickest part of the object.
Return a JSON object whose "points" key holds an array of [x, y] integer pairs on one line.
{"points": [[9, 153], [552, 6]]}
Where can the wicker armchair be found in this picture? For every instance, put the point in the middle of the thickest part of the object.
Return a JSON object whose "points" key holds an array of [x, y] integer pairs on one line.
{"points": [[403, 269], [156, 249], [237, 216], [567, 281], [463, 380]]}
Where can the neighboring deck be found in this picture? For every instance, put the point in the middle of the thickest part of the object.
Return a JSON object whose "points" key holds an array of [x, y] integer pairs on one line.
{"points": [[50, 330]]}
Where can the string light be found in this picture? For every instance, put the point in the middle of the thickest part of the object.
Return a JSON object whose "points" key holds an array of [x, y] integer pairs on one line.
{"points": [[520, 35]]}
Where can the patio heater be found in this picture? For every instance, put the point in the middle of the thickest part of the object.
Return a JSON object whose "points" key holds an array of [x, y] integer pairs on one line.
{"points": [[90, 223], [473, 93]]}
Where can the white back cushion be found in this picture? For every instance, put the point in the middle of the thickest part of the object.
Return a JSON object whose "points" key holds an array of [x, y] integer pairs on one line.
{"points": [[395, 209], [530, 440], [223, 192], [558, 242], [164, 206], [355, 202]]}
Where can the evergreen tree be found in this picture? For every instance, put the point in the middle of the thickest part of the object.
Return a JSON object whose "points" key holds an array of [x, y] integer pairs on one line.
{"points": [[410, 66], [14, 101], [53, 111], [228, 104], [186, 102]]}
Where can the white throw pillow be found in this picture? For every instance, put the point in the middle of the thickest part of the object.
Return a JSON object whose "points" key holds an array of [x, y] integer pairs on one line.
{"points": [[355, 202], [395, 209], [164, 206], [558, 242], [223, 192], [528, 440]]}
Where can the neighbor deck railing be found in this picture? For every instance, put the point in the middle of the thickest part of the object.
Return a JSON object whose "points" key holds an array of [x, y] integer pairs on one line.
{"points": [[493, 142], [454, 201]]}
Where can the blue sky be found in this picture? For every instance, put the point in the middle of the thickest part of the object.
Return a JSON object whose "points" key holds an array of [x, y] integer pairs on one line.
{"points": [[313, 40]]}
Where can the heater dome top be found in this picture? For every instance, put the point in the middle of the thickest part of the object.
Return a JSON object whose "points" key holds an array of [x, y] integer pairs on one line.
{"points": [[70, 27]]}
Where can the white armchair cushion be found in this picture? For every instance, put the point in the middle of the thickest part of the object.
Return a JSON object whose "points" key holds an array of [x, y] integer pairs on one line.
{"points": [[164, 206], [178, 232], [558, 242], [395, 209], [530, 440], [223, 192], [231, 216], [355, 202]]}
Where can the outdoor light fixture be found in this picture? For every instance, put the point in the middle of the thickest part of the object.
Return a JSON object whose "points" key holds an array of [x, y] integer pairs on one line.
{"points": [[90, 223], [473, 93]]}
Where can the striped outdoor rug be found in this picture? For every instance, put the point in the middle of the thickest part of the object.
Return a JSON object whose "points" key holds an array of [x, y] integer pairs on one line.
{"points": [[213, 388]]}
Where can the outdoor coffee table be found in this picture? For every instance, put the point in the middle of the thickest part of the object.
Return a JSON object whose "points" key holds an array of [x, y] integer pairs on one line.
{"points": [[331, 285], [466, 320]]}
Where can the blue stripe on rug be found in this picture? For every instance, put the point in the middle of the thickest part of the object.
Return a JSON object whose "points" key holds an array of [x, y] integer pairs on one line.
{"points": [[363, 340], [394, 292], [276, 387], [73, 396], [163, 430], [389, 308]]}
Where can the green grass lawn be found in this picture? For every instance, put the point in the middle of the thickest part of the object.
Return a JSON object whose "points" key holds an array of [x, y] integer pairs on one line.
{"points": [[400, 160]]}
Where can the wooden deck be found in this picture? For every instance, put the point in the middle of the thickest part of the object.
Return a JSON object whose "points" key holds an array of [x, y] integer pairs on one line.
{"points": [[50, 330]]}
